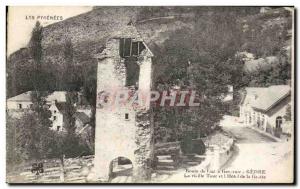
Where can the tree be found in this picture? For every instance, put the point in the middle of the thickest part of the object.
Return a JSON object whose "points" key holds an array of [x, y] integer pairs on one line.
{"points": [[70, 142], [39, 72], [33, 137], [34, 133], [68, 71], [89, 91], [274, 74], [36, 51], [13, 153], [35, 44], [288, 114], [70, 138], [202, 59]]}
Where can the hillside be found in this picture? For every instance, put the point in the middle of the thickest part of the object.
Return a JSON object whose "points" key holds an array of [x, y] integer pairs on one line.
{"points": [[267, 37], [89, 31]]}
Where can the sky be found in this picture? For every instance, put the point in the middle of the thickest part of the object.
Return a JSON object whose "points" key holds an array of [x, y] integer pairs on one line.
{"points": [[21, 20]]}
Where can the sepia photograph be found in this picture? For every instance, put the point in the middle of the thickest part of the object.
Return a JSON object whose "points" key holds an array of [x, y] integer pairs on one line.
{"points": [[150, 94]]}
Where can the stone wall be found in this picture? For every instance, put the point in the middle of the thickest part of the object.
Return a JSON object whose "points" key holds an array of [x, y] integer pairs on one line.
{"points": [[144, 146], [221, 154]]}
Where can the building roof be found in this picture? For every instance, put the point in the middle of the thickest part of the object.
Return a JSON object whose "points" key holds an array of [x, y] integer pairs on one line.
{"points": [[264, 98], [59, 96], [272, 95], [22, 97], [125, 31], [250, 94], [82, 117], [61, 107]]}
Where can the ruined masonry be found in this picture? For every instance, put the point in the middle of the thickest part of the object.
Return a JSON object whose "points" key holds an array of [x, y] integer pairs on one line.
{"points": [[125, 64]]}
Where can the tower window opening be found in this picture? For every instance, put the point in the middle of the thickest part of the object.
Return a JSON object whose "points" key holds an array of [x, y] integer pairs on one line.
{"points": [[126, 116], [130, 48], [132, 72]]}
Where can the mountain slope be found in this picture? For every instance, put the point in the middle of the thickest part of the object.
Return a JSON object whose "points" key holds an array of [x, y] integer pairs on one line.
{"points": [[89, 32]]}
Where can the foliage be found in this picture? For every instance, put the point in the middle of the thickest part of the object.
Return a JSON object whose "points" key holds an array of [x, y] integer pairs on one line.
{"points": [[70, 78], [13, 154], [203, 59], [288, 115], [34, 133], [33, 138], [191, 145], [275, 74], [71, 146], [151, 12], [35, 44], [200, 57], [39, 78], [266, 34]]}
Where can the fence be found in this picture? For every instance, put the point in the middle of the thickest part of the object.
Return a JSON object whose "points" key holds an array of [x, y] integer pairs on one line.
{"points": [[72, 170]]}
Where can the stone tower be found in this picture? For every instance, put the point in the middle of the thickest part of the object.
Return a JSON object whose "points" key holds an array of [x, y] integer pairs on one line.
{"points": [[124, 131]]}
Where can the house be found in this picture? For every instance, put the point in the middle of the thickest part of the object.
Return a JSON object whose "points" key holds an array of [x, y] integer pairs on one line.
{"points": [[266, 108], [18, 105], [56, 101], [82, 120], [58, 110], [58, 116], [23, 101]]}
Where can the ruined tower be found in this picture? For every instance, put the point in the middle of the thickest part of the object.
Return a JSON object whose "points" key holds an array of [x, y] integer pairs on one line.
{"points": [[124, 131]]}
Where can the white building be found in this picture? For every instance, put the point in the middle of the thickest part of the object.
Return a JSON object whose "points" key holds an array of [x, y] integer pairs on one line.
{"points": [[265, 108], [21, 103], [57, 116]]}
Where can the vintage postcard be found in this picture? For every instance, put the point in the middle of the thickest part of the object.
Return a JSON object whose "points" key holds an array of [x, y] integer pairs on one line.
{"points": [[165, 94]]}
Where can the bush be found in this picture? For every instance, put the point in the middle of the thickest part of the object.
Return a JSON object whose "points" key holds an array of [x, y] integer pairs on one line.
{"points": [[198, 146], [191, 145]]}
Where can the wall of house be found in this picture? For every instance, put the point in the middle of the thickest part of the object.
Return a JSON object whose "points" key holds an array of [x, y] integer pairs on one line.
{"points": [[270, 117], [242, 114], [251, 117], [258, 119], [14, 105], [245, 111], [278, 110], [59, 121]]}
